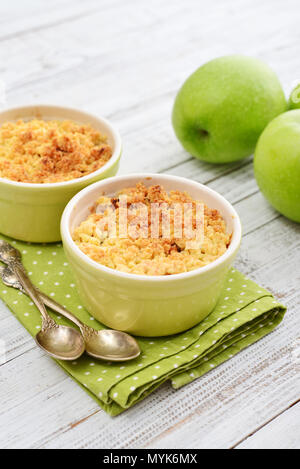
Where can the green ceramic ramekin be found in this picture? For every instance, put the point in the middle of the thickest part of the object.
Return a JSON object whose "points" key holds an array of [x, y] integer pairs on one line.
{"points": [[32, 212], [140, 304]]}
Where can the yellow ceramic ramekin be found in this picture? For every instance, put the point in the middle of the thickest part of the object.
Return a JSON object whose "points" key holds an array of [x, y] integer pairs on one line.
{"points": [[140, 304], [32, 212]]}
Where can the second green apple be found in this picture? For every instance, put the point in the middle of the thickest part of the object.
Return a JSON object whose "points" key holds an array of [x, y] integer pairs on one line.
{"points": [[223, 107]]}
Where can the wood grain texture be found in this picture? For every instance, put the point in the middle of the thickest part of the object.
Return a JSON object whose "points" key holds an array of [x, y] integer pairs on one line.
{"points": [[125, 61], [275, 435]]}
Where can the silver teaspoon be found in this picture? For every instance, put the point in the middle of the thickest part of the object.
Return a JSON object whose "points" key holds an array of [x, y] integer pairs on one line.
{"points": [[61, 342], [104, 344]]}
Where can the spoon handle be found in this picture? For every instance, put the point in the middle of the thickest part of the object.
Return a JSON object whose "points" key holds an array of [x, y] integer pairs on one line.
{"points": [[10, 278], [32, 292], [60, 309]]}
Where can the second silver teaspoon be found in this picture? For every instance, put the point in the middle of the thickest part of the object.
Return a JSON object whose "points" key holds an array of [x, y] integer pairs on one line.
{"points": [[104, 344]]}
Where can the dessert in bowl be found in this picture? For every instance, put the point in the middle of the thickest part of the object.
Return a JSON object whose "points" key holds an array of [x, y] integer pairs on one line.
{"points": [[148, 286], [47, 155], [155, 239]]}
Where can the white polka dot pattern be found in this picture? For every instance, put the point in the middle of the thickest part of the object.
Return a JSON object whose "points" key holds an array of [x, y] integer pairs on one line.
{"points": [[234, 324]]}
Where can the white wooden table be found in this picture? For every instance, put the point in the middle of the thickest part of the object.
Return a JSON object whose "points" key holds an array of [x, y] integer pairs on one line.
{"points": [[125, 60]]}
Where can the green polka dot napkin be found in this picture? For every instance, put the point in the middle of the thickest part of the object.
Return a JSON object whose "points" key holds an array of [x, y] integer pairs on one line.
{"points": [[244, 314]]}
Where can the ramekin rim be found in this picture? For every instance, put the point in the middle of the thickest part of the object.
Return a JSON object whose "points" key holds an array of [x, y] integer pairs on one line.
{"points": [[110, 163], [67, 238]]}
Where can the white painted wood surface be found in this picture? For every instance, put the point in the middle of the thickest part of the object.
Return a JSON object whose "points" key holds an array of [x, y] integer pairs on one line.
{"points": [[126, 60], [275, 435]]}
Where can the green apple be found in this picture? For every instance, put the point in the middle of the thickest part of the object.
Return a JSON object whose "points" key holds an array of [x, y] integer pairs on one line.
{"points": [[277, 164], [223, 107], [294, 102]]}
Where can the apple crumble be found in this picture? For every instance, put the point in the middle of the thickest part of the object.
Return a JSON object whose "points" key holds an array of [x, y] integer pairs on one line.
{"points": [[41, 151], [143, 248]]}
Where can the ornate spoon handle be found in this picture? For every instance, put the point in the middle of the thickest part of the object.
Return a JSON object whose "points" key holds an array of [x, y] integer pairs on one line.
{"points": [[60, 309], [10, 278], [33, 293]]}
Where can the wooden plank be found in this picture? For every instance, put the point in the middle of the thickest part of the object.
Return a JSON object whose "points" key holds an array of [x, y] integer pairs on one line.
{"points": [[112, 36], [281, 433], [127, 62], [14, 338], [19, 18], [47, 389]]}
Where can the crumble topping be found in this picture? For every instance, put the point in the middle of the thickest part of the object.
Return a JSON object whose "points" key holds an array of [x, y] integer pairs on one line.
{"points": [[140, 252], [41, 151]]}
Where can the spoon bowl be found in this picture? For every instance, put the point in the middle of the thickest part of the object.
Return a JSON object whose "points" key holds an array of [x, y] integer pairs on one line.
{"points": [[103, 344], [112, 345], [62, 342]]}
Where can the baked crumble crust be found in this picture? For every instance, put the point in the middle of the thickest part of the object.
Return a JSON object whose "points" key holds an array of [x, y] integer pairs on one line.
{"points": [[52, 151], [149, 255]]}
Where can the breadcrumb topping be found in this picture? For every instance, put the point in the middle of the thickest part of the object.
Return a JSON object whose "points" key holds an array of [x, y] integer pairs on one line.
{"points": [[139, 254], [41, 151]]}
